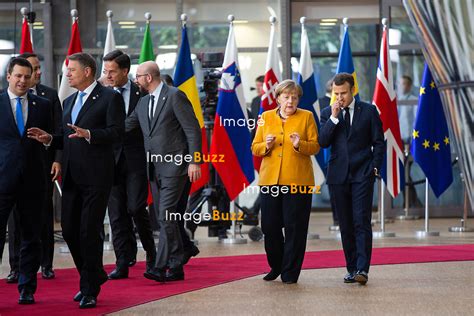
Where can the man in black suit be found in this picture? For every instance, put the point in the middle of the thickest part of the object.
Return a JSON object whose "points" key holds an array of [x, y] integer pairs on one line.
{"points": [[93, 121], [22, 163], [52, 171], [357, 149], [169, 127], [127, 203]]}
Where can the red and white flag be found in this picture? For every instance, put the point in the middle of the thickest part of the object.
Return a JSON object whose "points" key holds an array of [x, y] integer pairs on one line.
{"points": [[26, 40], [74, 47], [271, 80], [386, 102]]}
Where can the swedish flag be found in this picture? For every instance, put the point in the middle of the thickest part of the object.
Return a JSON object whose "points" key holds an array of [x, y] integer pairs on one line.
{"points": [[345, 63], [430, 144]]}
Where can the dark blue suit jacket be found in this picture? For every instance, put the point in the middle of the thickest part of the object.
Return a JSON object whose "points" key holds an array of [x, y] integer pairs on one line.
{"points": [[354, 157], [104, 115], [22, 160]]}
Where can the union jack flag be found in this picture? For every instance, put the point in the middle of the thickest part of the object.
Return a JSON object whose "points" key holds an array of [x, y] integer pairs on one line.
{"points": [[385, 100]]}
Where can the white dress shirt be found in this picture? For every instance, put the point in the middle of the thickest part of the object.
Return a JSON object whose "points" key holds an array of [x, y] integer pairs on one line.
{"points": [[351, 107], [125, 95], [156, 94]]}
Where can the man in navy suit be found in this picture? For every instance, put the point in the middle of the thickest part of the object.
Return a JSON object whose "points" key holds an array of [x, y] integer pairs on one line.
{"points": [[127, 203], [353, 129], [22, 163], [93, 121], [52, 171]]}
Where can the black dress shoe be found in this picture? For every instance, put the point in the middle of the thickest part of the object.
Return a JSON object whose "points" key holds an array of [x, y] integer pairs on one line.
{"points": [[132, 262], [289, 281], [47, 273], [174, 275], [150, 261], [272, 275], [13, 277], [190, 252], [156, 275], [349, 277], [78, 297], [26, 297], [119, 273], [88, 302], [361, 277]]}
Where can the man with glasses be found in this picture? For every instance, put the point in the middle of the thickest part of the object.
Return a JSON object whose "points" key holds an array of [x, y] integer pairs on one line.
{"points": [[169, 127]]}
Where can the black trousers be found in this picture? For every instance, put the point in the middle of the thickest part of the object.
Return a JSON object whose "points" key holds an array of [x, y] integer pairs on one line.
{"points": [[47, 233], [181, 208], [167, 192], [288, 212], [82, 221], [29, 219], [353, 203], [127, 205]]}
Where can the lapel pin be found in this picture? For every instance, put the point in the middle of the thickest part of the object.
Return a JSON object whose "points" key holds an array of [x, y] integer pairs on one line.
{"points": [[42, 93], [93, 98], [137, 93], [164, 98], [34, 103]]}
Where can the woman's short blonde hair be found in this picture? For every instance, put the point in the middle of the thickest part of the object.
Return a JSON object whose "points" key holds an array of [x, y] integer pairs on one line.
{"points": [[288, 85]]}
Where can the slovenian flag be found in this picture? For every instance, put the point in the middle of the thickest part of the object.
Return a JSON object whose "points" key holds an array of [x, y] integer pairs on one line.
{"points": [[229, 139], [185, 81], [309, 99]]}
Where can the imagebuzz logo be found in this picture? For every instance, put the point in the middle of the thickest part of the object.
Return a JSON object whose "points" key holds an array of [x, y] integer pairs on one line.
{"points": [[275, 190], [197, 218], [179, 159], [241, 122]]}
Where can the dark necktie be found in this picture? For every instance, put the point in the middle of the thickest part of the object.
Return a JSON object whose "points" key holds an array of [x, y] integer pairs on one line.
{"points": [[121, 90], [347, 119], [152, 103]]}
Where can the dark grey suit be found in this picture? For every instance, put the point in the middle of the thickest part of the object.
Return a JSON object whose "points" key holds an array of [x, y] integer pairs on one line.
{"points": [[174, 130]]}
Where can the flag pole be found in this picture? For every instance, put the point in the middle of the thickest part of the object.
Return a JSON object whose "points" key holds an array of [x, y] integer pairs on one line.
{"points": [[426, 232], [108, 245], [463, 228], [382, 233], [311, 235], [233, 214]]}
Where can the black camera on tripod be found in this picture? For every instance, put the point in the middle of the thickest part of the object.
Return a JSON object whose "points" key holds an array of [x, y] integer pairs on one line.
{"points": [[210, 86]]}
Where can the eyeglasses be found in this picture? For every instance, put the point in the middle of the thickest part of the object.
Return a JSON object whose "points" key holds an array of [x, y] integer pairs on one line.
{"points": [[138, 76]]}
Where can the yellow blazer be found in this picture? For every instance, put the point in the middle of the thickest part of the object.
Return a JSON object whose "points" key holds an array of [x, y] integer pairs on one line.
{"points": [[283, 164]]}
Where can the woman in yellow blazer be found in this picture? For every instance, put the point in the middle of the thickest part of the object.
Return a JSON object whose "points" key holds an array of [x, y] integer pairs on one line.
{"points": [[286, 139]]}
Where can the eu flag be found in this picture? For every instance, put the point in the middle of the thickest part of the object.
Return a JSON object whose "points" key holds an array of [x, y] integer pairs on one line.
{"points": [[430, 144]]}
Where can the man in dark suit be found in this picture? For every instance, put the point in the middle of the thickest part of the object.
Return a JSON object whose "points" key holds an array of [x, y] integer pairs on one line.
{"points": [[52, 171], [169, 126], [22, 163], [353, 129], [93, 121], [127, 203]]}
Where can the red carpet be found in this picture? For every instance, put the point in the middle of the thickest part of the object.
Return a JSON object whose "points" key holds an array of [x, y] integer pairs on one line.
{"points": [[54, 297]]}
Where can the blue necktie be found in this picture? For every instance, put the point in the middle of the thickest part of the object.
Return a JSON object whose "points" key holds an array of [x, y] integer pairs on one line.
{"points": [[20, 122], [77, 107]]}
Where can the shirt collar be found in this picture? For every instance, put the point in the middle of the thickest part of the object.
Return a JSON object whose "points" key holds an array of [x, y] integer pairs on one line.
{"points": [[352, 104], [90, 88], [157, 91], [125, 86], [12, 96]]}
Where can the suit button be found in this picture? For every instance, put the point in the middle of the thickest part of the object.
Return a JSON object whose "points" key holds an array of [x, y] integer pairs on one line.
{"points": [[280, 144], [280, 155], [281, 133]]}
